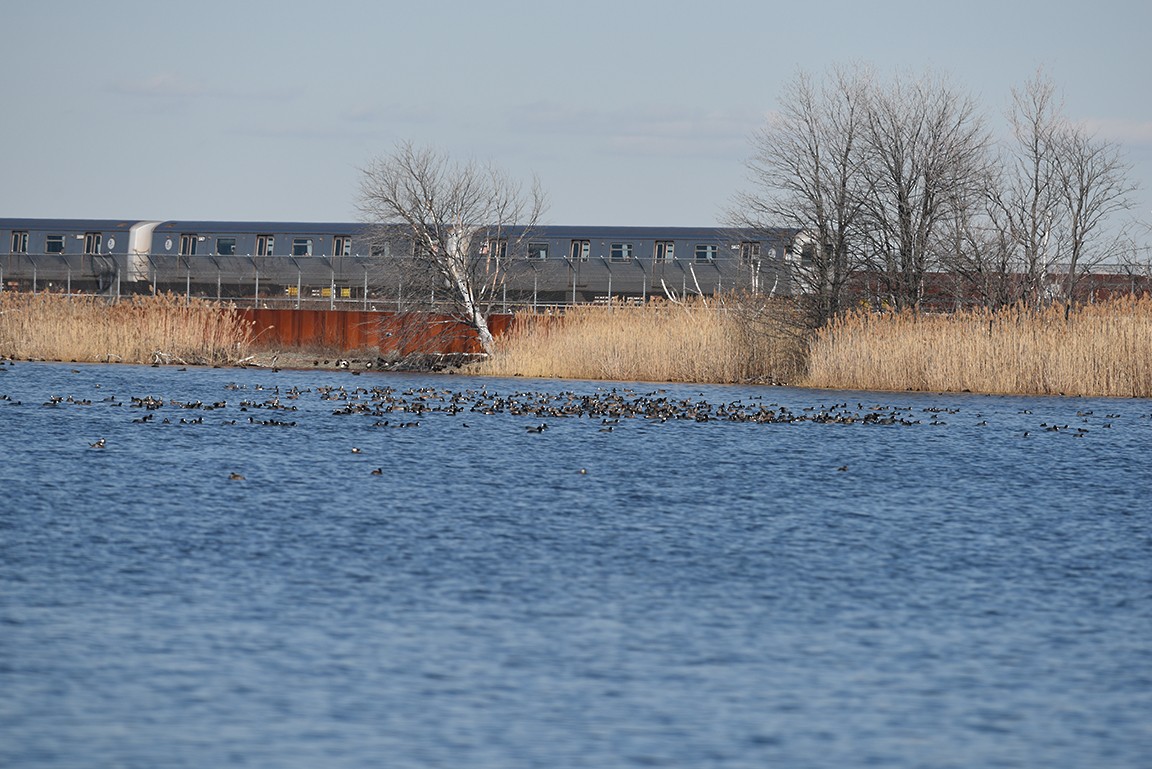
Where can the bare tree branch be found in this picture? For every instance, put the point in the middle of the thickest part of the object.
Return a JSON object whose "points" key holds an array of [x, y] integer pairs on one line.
{"points": [[464, 222], [805, 172]]}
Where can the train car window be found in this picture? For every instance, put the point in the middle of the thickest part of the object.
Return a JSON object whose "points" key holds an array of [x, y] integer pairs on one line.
{"points": [[421, 250], [705, 252], [92, 242], [342, 245], [19, 242], [188, 244], [497, 247], [537, 250], [749, 252], [620, 252], [54, 244], [581, 250], [226, 246], [265, 245], [664, 251], [302, 247]]}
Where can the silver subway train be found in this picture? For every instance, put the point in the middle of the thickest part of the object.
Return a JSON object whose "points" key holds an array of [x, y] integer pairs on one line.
{"points": [[350, 263]]}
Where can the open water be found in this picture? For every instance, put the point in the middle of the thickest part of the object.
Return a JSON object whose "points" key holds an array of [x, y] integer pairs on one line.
{"points": [[948, 583]]}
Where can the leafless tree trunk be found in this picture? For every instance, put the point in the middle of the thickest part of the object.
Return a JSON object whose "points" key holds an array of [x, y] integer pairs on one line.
{"points": [[465, 222], [1025, 207], [1093, 185], [805, 170], [982, 260], [899, 180], [1059, 187], [1135, 260], [926, 149]]}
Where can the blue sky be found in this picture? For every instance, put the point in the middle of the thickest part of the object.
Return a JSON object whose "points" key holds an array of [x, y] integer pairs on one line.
{"points": [[629, 112]]}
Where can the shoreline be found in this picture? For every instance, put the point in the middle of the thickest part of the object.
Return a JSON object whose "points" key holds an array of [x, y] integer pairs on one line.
{"points": [[1102, 350], [276, 361]]}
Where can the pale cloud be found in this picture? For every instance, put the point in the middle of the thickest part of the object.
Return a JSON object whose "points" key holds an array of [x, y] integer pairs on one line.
{"points": [[388, 114], [163, 85], [1136, 133], [174, 87], [652, 130]]}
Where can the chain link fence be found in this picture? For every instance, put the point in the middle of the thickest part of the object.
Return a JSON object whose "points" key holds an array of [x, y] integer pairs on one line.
{"points": [[282, 282]]}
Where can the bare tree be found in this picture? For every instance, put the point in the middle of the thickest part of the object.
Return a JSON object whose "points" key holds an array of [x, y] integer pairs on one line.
{"points": [[465, 222], [1093, 185], [1058, 189], [899, 181], [1024, 208], [878, 178], [1135, 260], [805, 172], [926, 158], [981, 258]]}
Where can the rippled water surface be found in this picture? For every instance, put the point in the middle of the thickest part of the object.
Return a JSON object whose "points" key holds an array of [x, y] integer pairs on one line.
{"points": [[946, 583]]}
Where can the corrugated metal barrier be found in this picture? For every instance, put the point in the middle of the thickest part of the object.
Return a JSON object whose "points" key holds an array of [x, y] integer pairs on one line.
{"points": [[363, 330]]}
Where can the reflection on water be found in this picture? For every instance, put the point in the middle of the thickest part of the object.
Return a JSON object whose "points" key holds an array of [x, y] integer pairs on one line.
{"points": [[677, 575]]}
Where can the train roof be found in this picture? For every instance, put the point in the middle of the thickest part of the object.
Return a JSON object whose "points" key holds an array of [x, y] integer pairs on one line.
{"points": [[271, 228], [66, 225], [556, 231], [655, 233], [543, 231]]}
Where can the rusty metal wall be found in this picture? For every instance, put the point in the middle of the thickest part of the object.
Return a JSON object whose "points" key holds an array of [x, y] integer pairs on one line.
{"points": [[364, 331]]}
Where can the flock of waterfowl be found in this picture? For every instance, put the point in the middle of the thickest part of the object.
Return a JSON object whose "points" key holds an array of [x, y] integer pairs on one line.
{"points": [[607, 408]]}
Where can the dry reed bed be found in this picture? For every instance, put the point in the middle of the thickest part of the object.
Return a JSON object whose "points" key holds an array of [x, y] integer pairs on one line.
{"points": [[1102, 350], [658, 341], [137, 330]]}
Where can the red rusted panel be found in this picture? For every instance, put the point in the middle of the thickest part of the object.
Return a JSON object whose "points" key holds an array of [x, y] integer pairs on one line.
{"points": [[385, 332]]}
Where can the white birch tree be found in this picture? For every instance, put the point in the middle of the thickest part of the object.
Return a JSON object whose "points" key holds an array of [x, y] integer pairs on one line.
{"points": [[466, 220]]}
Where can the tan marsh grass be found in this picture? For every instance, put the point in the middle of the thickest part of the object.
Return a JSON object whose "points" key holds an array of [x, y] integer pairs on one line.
{"points": [[1102, 349], [658, 341], [137, 330]]}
